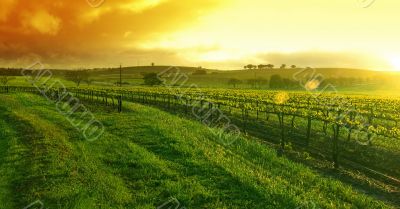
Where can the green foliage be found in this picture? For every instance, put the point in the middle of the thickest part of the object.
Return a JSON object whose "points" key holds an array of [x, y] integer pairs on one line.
{"points": [[5, 79], [151, 79], [78, 76], [200, 72], [234, 82], [144, 158]]}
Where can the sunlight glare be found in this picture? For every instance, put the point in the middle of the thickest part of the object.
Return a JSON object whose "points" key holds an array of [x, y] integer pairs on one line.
{"points": [[395, 62]]}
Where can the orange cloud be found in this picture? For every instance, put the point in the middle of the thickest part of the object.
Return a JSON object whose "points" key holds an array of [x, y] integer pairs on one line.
{"points": [[5, 8], [43, 22], [69, 33]]}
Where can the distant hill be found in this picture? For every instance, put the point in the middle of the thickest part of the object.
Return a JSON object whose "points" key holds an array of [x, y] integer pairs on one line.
{"points": [[289, 73], [149, 69], [249, 74], [239, 74], [344, 78], [137, 70], [341, 77]]}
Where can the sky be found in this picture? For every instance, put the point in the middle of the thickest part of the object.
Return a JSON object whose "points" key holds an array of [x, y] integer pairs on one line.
{"points": [[223, 34]]}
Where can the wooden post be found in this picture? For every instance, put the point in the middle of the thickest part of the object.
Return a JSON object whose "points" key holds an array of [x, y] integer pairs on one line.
{"points": [[308, 130], [120, 88], [282, 125], [257, 110], [211, 111], [336, 133]]}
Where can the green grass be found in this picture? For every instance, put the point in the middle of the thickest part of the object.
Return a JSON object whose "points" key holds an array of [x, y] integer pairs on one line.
{"points": [[145, 157], [369, 82]]}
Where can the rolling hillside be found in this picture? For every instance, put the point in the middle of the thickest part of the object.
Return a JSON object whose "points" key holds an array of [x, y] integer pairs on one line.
{"points": [[345, 80], [143, 159]]}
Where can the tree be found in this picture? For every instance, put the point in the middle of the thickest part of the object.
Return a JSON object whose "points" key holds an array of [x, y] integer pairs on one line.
{"points": [[89, 81], [276, 82], [234, 82], [270, 66], [283, 66], [77, 76], [250, 67], [151, 79], [260, 67], [6, 75], [200, 72], [5, 79], [293, 66]]}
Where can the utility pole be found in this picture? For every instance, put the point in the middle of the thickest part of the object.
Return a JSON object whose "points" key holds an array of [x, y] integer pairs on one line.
{"points": [[120, 75], [120, 88]]}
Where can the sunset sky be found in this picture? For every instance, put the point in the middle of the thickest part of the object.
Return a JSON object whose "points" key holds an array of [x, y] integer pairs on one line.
{"points": [[225, 34]]}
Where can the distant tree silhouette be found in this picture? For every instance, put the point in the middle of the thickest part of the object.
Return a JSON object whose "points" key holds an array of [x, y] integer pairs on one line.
{"points": [[151, 79], [234, 82], [270, 66], [200, 72], [293, 66], [89, 81], [5, 79], [260, 67], [6, 75], [77, 76], [283, 66], [250, 67]]}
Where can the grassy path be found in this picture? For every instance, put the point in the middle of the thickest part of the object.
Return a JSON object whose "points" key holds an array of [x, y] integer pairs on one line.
{"points": [[145, 157]]}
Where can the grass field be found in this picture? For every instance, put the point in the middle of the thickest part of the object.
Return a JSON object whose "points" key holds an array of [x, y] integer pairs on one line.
{"points": [[145, 157], [364, 81]]}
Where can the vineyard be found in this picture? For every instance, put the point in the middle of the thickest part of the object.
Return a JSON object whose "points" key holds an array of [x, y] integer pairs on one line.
{"points": [[362, 129], [146, 156]]}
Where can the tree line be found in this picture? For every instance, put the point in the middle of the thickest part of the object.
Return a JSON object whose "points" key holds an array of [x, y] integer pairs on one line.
{"points": [[274, 82], [278, 82], [266, 67]]}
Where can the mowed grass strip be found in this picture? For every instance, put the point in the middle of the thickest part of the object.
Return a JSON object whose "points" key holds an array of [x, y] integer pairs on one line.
{"points": [[144, 157], [51, 167]]}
